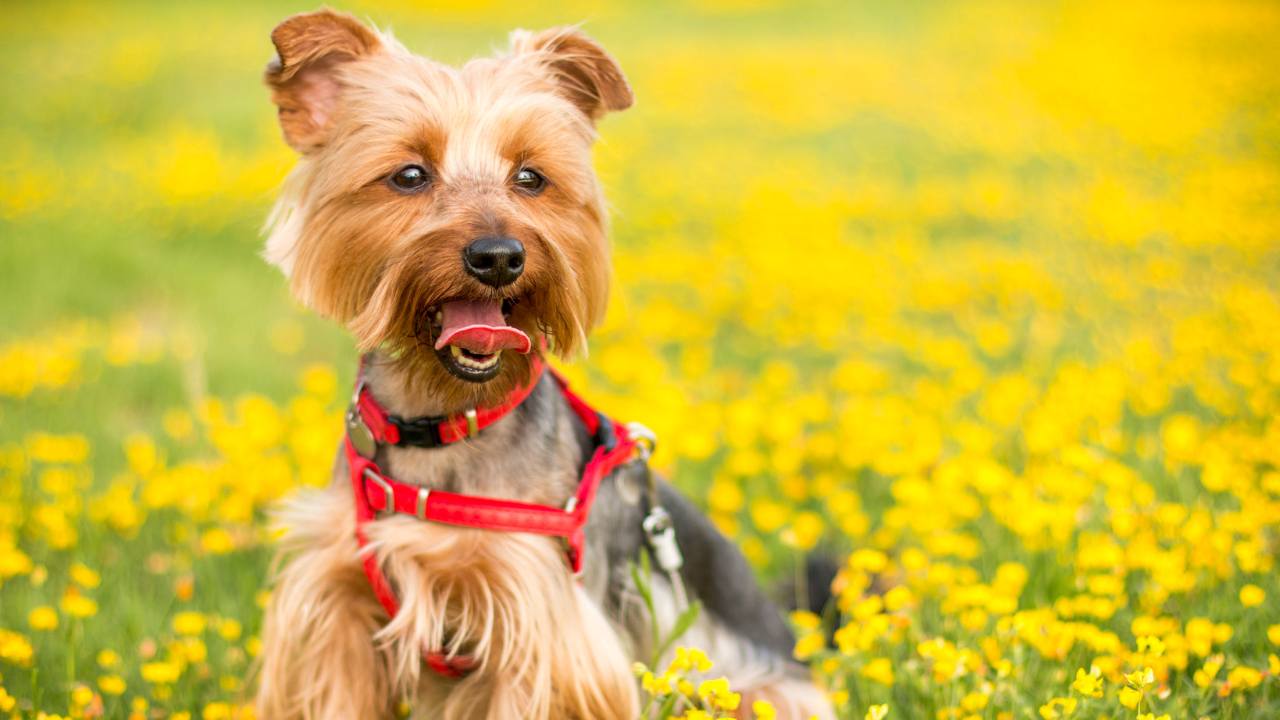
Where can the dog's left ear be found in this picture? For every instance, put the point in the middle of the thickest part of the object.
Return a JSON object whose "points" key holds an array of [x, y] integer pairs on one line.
{"points": [[584, 73], [304, 84]]}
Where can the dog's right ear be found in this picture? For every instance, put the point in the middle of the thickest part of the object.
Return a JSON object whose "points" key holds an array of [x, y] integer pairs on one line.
{"points": [[309, 48]]}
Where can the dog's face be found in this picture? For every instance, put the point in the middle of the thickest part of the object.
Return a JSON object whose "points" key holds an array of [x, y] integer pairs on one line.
{"points": [[449, 215]]}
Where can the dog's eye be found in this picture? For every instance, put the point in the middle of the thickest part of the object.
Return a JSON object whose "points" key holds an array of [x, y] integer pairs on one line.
{"points": [[529, 180], [410, 178]]}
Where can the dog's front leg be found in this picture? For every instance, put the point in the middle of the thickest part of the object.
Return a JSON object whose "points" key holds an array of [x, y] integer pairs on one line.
{"points": [[319, 661]]}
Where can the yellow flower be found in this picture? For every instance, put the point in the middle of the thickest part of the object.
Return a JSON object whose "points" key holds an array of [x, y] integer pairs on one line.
{"points": [[764, 710], [898, 598], [688, 658], [81, 695], [15, 648], [188, 623], [77, 605], [717, 693], [1252, 595], [230, 629], [1244, 677], [108, 658], [767, 515], [1058, 708], [111, 685], [160, 673], [83, 576], [1089, 683], [7, 701], [725, 496], [216, 711], [879, 670], [656, 684], [876, 712], [1151, 645], [809, 645], [805, 531], [42, 618], [1273, 634], [13, 562], [975, 701], [1130, 697], [1141, 679], [217, 541]]}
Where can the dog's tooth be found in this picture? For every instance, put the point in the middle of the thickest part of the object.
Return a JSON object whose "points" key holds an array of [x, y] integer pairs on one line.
{"points": [[457, 351], [439, 317]]}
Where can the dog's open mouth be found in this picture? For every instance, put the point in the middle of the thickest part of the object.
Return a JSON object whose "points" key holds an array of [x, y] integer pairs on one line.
{"points": [[470, 336]]}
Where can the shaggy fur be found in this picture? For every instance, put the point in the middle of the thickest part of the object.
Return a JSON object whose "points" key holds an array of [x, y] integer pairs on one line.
{"points": [[358, 107]]}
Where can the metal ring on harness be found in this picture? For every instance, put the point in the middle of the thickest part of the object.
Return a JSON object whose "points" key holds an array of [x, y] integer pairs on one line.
{"points": [[645, 439], [389, 495]]}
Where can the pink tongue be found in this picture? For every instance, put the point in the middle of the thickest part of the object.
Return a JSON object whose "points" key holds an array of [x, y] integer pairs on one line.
{"points": [[478, 326]]}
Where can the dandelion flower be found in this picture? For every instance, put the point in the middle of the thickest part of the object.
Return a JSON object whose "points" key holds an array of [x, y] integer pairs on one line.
{"points": [[1252, 596], [42, 618]]}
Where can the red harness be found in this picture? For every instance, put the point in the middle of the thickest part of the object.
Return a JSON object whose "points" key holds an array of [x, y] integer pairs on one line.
{"points": [[377, 494]]}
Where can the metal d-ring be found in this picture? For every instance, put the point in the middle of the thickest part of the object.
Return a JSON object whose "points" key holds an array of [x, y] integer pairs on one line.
{"points": [[645, 439], [388, 493]]}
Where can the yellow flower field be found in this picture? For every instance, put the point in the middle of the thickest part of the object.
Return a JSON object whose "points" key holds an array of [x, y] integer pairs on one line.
{"points": [[981, 299]]}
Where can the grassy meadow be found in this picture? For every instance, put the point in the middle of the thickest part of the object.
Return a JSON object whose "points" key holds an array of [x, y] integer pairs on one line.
{"points": [[980, 298]]}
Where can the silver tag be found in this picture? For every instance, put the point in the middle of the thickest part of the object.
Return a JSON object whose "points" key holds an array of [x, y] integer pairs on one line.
{"points": [[361, 436]]}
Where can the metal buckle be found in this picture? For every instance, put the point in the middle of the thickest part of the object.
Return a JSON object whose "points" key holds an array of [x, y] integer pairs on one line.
{"points": [[645, 439], [388, 493], [473, 423]]}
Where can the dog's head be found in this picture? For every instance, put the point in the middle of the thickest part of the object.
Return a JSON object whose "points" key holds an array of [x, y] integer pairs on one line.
{"points": [[448, 215]]}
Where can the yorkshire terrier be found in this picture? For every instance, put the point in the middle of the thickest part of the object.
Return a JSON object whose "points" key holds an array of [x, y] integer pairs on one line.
{"points": [[474, 555]]}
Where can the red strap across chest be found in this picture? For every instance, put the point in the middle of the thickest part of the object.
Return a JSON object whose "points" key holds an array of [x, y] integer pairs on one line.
{"points": [[376, 494]]}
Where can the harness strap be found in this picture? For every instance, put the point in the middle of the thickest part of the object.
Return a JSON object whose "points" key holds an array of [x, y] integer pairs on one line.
{"points": [[377, 494]]}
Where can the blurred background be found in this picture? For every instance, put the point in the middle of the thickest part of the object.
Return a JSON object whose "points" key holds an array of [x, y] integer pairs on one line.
{"points": [[980, 299]]}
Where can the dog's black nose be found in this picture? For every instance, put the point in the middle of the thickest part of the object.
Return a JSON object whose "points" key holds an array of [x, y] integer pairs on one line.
{"points": [[494, 261]]}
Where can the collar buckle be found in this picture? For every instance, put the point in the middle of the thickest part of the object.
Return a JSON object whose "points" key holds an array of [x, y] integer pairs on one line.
{"points": [[423, 432]]}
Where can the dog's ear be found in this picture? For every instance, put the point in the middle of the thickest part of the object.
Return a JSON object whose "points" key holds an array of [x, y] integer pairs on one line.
{"points": [[585, 74], [309, 47]]}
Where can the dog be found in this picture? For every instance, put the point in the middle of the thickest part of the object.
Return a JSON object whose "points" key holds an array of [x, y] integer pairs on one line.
{"points": [[450, 218]]}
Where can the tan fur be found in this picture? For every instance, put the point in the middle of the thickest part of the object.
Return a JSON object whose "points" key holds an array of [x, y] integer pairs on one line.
{"points": [[501, 598], [318, 657]]}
